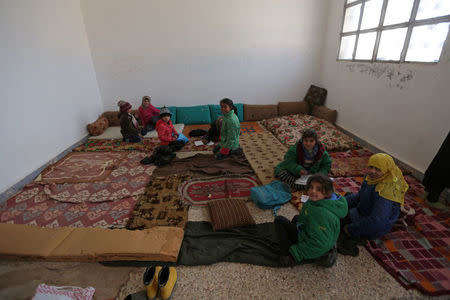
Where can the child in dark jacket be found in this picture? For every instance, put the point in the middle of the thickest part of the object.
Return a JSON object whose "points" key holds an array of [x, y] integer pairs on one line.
{"points": [[314, 232], [129, 126], [374, 209], [307, 156]]}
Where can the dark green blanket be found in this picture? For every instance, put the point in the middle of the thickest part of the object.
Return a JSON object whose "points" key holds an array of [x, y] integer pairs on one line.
{"points": [[257, 245]]}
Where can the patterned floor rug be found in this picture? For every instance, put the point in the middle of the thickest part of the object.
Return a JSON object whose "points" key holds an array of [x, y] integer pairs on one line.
{"points": [[263, 151], [288, 129], [353, 166], [146, 145], [81, 167], [161, 204], [32, 206], [92, 145], [198, 192], [129, 179], [363, 152]]}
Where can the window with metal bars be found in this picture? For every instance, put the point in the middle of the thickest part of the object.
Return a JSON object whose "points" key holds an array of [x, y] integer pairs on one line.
{"points": [[394, 30]]}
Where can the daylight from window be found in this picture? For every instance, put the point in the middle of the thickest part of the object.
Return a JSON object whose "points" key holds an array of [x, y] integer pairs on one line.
{"points": [[394, 30]]}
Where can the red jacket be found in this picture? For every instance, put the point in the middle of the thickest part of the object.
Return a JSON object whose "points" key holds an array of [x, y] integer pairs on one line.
{"points": [[145, 114], [165, 131]]}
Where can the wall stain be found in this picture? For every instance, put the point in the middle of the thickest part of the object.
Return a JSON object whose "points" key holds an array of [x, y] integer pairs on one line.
{"points": [[393, 77]]}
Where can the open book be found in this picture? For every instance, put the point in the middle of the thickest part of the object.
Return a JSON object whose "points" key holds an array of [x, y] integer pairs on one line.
{"points": [[302, 180]]}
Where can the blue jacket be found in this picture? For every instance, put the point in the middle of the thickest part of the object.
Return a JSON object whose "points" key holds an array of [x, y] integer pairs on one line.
{"points": [[372, 216]]}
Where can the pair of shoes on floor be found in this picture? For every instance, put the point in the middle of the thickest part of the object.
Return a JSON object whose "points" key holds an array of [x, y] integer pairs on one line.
{"points": [[328, 259], [160, 281]]}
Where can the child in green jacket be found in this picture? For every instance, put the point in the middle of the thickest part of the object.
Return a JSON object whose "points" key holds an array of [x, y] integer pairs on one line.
{"points": [[314, 232], [307, 156], [229, 131]]}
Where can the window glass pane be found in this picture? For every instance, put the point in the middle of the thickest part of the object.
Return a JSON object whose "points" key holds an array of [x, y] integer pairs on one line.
{"points": [[398, 11], [365, 46], [347, 46], [433, 8], [351, 1], [426, 42], [372, 12], [391, 44], [351, 18]]}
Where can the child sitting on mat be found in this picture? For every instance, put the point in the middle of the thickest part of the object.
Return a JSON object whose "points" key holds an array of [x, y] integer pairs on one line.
{"points": [[307, 156], [167, 133], [374, 209], [313, 233], [129, 126], [229, 131], [148, 114]]}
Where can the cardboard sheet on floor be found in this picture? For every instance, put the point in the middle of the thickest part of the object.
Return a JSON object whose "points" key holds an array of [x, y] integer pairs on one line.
{"points": [[161, 243]]}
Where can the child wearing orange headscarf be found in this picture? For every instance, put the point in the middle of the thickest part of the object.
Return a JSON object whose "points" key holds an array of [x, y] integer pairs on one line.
{"points": [[375, 208]]}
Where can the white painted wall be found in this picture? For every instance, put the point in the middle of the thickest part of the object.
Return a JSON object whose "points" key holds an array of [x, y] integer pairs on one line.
{"points": [[200, 51], [48, 88], [403, 109]]}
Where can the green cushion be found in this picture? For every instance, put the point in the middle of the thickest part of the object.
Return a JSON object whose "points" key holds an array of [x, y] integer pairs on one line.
{"points": [[173, 110], [217, 112], [198, 114]]}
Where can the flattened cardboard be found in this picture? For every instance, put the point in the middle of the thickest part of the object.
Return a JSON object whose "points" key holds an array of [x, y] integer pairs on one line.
{"points": [[161, 243]]}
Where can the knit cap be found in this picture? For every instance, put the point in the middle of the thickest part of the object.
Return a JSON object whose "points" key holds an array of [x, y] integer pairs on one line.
{"points": [[124, 106], [164, 111]]}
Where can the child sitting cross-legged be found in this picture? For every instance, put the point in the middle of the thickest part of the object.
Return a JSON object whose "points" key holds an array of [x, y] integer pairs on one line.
{"points": [[148, 114], [313, 233], [307, 156], [129, 126]]}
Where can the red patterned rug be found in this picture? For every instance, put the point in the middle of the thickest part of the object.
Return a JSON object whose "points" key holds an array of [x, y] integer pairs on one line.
{"points": [[147, 146], [129, 179], [198, 192], [81, 167], [352, 163], [351, 153], [32, 206], [116, 145]]}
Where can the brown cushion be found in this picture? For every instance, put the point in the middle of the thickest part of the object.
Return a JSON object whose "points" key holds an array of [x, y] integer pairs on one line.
{"points": [[229, 213], [113, 117], [260, 112], [325, 113], [315, 96], [99, 126], [293, 108]]}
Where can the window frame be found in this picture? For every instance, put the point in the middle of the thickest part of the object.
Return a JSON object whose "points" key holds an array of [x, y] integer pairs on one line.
{"points": [[380, 28]]}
